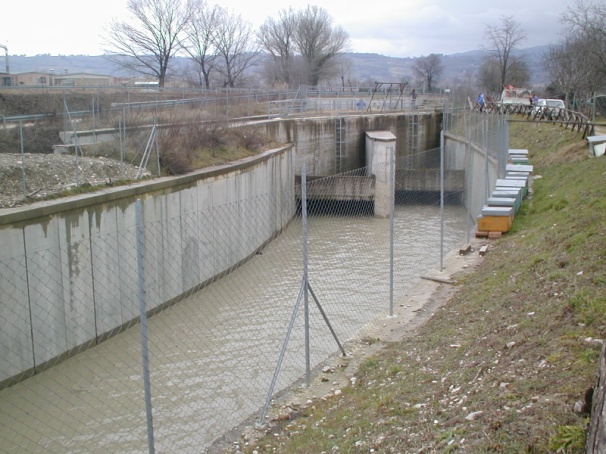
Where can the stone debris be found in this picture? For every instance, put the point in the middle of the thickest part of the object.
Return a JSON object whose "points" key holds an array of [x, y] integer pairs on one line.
{"points": [[473, 415], [47, 175]]}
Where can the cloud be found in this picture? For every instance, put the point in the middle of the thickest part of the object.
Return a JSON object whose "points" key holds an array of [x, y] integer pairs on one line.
{"points": [[398, 29]]}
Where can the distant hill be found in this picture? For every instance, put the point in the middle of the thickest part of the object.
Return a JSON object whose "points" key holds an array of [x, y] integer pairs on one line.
{"points": [[459, 68], [64, 63]]}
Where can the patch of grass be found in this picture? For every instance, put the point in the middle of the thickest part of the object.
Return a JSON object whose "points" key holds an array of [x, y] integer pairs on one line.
{"points": [[589, 305], [84, 188], [590, 356], [568, 439]]}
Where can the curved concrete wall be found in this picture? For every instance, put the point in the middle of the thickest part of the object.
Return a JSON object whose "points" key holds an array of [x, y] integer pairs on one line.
{"points": [[68, 268], [480, 170]]}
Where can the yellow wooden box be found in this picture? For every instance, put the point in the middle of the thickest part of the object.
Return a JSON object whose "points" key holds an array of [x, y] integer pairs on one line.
{"points": [[495, 223]]}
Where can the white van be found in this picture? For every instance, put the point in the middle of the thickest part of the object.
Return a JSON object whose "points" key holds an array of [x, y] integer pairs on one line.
{"points": [[550, 107]]}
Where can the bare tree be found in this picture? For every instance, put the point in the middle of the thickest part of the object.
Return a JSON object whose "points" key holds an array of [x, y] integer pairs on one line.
{"points": [[276, 37], [587, 20], [571, 69], [318, 41], [490, 75], [586, 26], [303, 45], [150, 39], [428, 69], [502, 40], [344, 68], [199, 39], [235, 45]]}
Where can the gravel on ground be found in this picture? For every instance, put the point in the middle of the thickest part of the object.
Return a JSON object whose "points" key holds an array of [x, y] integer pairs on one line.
{"points": [[30, 177]]}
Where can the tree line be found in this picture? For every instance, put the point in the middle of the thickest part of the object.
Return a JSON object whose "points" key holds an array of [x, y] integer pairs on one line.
{"points": [[298, 47], [305, 47], [576, 65]]}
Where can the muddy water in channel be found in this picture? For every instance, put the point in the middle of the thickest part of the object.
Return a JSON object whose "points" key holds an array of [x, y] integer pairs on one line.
{"points": [[213, 355]]}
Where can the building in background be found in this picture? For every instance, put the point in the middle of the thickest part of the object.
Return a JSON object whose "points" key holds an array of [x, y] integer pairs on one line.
{"points": [[48, 79]]}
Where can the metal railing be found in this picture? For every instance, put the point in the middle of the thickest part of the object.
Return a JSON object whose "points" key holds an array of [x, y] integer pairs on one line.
{"points": [[541, 114]]}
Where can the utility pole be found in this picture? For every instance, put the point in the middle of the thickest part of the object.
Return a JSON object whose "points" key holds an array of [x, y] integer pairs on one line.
{"points": [[5, 56]]}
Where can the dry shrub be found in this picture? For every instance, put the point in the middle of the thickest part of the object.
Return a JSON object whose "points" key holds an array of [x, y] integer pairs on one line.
{"points": [[175, 156], [37, 138], [180, 143], [176, 162], [206, 134], [251, 138], [188, 139]]}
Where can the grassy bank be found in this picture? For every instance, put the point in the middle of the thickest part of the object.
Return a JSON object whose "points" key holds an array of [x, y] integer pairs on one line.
{"points": [[499, 367]]}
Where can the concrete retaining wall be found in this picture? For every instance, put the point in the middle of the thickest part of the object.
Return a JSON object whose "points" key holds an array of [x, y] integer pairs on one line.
{"points": [[428, 180], [341, 188], [480, 171], [316, 139], [68, 268]]}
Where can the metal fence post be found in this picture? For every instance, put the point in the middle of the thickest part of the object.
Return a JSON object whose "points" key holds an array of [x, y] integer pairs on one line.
{"points": [[23, 181], [94, 120], [441, 200], [305, 276], [122, 137], [392, 193], [143, 323], [469, 181], [485, 149], [505, 132]]}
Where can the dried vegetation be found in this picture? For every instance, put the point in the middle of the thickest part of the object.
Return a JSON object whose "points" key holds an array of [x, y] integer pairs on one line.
{"points": [[189, 137]]}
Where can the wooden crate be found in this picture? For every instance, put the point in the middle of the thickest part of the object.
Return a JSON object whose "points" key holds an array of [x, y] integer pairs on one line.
{"points": [[495, 223]]}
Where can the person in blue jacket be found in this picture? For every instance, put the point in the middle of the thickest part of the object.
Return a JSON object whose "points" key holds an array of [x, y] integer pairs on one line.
{"points": [[481, 102]]}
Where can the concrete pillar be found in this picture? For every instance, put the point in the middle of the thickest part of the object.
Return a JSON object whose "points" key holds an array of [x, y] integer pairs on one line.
{"points": [[379, 148]]}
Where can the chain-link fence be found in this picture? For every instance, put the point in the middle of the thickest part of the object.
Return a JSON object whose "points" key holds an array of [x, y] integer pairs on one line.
{"points": [[131, 126], [125, 125], [478, 143], [107, 374]]}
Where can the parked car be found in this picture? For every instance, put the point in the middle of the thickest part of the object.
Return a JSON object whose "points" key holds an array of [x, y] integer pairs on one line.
{"points": [[551, 108]]}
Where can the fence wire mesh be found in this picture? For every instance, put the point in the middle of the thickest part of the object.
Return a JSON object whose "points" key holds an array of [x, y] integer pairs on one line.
{"points": [[71, 367], [85, 124]]}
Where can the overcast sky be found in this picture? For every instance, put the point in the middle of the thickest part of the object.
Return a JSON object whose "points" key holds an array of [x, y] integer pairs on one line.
{"points": [[404, 28]]}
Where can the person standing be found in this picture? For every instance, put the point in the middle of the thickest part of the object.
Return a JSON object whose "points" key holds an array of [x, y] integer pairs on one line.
{"points": [[481, 101], [413, 96]]}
